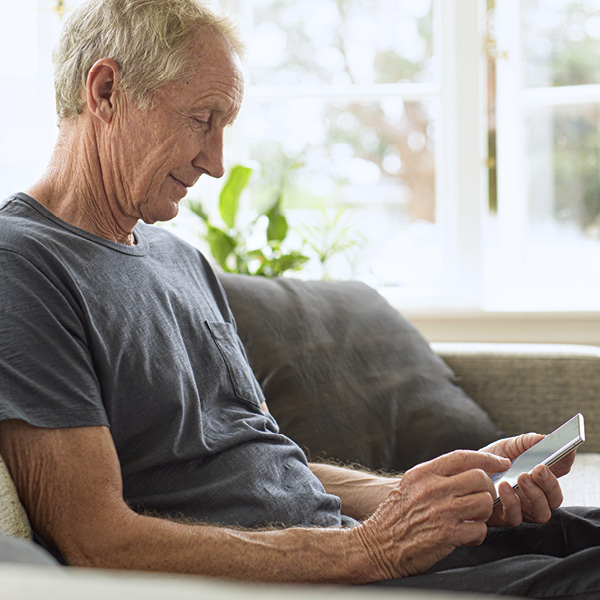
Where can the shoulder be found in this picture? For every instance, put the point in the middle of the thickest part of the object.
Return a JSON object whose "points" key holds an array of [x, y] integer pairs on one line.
{"points": [[28, 228], [23, 241], [16, 220], [26, 240]]}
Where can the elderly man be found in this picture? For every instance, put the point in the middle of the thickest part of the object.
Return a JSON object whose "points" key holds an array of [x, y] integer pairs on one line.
{"points": [[131, 422]]}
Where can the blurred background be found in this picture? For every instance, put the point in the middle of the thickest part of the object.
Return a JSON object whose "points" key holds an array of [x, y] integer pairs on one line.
{"points": [[446, 152]]}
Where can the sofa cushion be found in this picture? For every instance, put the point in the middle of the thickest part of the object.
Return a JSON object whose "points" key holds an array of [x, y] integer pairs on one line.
{"points": [[17, 550], [348, 378], [581, 487]]}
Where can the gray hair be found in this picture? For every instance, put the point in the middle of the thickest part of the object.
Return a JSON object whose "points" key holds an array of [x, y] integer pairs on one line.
{"points": [[148, 39]]}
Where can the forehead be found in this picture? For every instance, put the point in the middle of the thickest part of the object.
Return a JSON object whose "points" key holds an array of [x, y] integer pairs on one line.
{"points": [[216, 81]]}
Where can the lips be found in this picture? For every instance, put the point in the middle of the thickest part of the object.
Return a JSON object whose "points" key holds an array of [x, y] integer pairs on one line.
{"points": [[181, 183]]}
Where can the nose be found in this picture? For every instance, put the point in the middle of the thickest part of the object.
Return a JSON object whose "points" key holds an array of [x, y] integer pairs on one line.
{"points": [[210, 157]]}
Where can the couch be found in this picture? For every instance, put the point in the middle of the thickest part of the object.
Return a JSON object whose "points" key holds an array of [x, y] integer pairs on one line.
{"points": [[350, 379]]}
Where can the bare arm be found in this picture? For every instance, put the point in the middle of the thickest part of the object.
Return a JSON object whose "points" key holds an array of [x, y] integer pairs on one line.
{"points": [[70, 483], [361, 492]]}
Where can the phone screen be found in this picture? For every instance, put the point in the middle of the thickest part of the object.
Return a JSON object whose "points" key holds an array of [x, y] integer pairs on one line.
{"points": [[546, 452]]}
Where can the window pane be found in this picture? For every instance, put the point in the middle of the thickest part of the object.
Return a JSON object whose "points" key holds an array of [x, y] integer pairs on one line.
{"points": [[27, 101], [373, 159], [563, 146], [561, 42], [341, 42]]}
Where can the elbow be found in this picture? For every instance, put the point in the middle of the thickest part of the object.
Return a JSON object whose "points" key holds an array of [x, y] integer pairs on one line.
{"points": [[104, 544]]}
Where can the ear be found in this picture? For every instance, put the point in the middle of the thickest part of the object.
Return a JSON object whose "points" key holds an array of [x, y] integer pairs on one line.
{"points": [[101, 89]]}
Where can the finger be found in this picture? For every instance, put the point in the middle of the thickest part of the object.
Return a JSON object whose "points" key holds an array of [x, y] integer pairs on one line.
{"points": [[548, 483], [514, 446], [460, 461], [510, 509], [473, 507], [470, 533], [534, 501], [527, 440], [563, 466], [470, 482]]}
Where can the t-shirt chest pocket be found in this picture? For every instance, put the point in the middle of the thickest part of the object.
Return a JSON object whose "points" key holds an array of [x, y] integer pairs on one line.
{"points": [[227, 341]]}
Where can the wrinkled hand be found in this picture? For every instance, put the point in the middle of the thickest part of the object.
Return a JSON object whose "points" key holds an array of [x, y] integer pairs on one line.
{"points": [[436, 506], [538, 494]]}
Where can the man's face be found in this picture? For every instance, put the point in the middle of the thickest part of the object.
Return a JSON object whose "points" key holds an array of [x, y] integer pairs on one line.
{"points": [[155, 156]]}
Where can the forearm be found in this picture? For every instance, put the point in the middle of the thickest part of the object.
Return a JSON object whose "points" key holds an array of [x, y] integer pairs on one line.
{"points": [[70, 483], [311, 555], [360, 492]]}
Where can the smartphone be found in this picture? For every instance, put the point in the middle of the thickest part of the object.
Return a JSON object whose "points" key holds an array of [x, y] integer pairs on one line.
{"points": [[546, 452]]}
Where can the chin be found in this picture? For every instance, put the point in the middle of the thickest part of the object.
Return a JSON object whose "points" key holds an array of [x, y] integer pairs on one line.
{"points": [[162, 213]]}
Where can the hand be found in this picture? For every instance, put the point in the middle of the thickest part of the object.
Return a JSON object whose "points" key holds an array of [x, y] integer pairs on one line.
{"points": [[435, 507], [538, 494]]}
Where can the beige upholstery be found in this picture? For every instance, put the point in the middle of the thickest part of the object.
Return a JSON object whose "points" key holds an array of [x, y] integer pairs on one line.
{"points": [[13, 520], [536, 387], [581, 487], [531, 387]]}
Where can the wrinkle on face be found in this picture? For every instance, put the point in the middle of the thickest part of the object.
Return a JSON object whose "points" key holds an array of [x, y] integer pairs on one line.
{"points": [[148, 151], [113, 167]]}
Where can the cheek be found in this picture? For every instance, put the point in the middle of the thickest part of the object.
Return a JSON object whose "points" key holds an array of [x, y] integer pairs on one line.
{"points": [[145, 136], [151, 161], [173, 151], [150, 150], [187, 144]]}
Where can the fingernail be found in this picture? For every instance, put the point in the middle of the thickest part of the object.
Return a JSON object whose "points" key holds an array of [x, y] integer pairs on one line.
{"points": [[544, 473], [527, 481]]}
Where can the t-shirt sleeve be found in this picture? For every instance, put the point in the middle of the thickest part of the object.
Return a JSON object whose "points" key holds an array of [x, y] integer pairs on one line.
{"points": [[47, 376]]}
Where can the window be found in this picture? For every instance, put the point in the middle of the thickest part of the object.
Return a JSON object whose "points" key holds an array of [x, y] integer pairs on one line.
{"points": [[28, 31], [379, 101], [386, 107], [442, 175], [343, 103], [546, 247]]}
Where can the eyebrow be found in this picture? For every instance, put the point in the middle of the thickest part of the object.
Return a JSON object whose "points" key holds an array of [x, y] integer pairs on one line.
{"points": [[214, 108]]}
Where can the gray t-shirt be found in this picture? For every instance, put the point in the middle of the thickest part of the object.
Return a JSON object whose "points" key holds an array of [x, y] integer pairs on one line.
{"points": [[141, 339]]}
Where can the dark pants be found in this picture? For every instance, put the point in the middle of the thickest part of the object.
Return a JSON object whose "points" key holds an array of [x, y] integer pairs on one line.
{"points": [[560, 559]]}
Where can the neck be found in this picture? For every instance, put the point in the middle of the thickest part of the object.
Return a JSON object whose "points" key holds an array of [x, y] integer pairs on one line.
{"points": [[73, 187]]}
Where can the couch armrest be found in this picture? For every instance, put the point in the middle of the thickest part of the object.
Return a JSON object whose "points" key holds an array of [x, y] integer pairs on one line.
{"points": [[530, 387], [13, 519]]}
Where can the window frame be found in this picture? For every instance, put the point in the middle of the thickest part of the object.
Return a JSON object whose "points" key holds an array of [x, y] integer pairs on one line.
{"points": [[461, 142], [460, 190], [513, 100]]}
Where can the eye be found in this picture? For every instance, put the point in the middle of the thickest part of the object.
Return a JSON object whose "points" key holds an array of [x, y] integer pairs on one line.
{"points": [[202, 121]]}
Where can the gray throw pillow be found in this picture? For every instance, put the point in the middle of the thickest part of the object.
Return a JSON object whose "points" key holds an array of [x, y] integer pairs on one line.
{"points": [[348, 378]]}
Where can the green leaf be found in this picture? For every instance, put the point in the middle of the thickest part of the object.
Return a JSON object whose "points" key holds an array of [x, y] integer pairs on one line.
{"points": [[254, 261], [278, 226], [221, 245], [286, 262], [197, 208], [229, 198]]}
